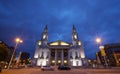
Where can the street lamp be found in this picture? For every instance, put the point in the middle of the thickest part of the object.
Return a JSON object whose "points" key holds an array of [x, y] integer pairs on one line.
{"points": [[99, 41], [17, 40]]}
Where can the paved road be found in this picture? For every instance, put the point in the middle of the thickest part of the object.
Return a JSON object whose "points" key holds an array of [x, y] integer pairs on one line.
{"points": [[73, 71]]}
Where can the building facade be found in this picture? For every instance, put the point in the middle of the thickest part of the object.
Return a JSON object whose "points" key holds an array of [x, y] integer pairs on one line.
{"points": [[112, 54], [59, 52]]}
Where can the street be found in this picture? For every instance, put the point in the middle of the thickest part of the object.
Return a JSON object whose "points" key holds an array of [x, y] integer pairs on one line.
{"points": [[73, 71]]}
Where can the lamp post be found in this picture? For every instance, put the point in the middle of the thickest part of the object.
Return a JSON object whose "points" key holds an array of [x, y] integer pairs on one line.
{"points": [[103, 54], [17, 40]]}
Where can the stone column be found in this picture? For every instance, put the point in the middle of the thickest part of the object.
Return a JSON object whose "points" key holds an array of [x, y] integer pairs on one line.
{"points": [[62, 55], [49, 59], [55, 57], [69, 58]]}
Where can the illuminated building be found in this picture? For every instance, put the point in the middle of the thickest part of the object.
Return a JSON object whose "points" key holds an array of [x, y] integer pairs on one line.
{"points": [[112, 52], [59, 52]]}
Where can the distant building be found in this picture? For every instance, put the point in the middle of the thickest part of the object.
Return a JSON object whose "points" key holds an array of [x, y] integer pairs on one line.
{"points": [[112, 52], [59, 52]]}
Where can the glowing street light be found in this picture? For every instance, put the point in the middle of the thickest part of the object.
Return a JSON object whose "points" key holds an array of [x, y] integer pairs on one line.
{"points": [[17, 40], [98, 40]]}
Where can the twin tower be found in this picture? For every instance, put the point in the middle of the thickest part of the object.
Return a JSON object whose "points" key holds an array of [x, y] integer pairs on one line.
{"points": [[59, 52]]}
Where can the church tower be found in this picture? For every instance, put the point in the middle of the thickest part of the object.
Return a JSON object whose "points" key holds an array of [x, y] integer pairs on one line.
{"points": [[74, 36], [42, 53], [77, 42], [45, 36], [76, 52]]}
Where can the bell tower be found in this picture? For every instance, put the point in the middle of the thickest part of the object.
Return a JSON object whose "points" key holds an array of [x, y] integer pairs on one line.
{"points": [[44, 38], [76, 52], [42, 53], [74, 36]]}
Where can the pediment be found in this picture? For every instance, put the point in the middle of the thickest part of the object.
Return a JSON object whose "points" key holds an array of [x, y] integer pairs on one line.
{"points": [[59, 43], [54, 43]]}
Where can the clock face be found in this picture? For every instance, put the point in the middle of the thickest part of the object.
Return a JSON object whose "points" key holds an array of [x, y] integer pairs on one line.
{"points": [[44, 36], [75, 36]]}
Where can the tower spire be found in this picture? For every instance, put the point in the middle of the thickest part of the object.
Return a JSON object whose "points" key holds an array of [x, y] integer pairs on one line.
{"points": [[74, 29], [45, 35], [46, 29], [74, 36], [73, 26]]}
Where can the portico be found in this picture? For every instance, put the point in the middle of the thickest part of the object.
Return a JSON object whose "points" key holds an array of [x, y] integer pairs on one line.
{"points": [[59, 53]]}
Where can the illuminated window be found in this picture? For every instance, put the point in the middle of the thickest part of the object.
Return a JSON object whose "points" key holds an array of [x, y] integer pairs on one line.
{"points": [[44, 36], [39, 43]]}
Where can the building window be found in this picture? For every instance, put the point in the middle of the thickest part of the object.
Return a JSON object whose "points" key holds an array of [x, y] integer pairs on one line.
{"points": [[59, 54], [65, 53], [75, 36], [44, 36], [53, 53], [39, 43]]}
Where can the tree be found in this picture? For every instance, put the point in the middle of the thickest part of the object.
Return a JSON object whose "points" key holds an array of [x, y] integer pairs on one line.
{"points": [[25, 57], [3, 52]]}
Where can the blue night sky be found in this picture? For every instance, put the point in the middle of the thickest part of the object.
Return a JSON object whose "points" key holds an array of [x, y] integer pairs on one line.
{"points": [[92, 18]]}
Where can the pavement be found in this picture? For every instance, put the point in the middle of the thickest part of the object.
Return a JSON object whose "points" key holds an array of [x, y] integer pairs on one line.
{"points": [[72, 71]]}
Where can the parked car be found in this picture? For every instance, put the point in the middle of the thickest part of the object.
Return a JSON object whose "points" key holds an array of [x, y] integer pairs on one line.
{"points": [[64, 68], [44, 68]]}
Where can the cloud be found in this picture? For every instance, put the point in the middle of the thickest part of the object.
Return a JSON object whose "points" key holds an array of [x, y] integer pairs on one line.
{"points": [[27, 18]]}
